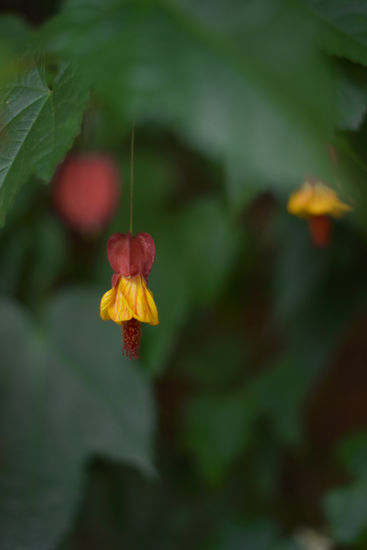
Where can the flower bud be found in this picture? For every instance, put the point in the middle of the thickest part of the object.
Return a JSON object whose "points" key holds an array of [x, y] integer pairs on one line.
{"points": [[86, 191]]}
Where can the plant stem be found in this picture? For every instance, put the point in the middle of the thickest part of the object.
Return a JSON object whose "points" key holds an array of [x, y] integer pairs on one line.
{"points": [[132, 178]]}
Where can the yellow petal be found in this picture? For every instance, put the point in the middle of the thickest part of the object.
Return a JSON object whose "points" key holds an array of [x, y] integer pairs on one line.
{"points": [[107, 299], [299, 200], [130, 298], [113, 307], [138, 299], [118, 310], [326, 201], [316, 199]]}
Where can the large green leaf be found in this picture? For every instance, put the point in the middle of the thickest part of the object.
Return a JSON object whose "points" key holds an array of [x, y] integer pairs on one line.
{"points": [[343, 27], [66, 394], [37, 126], [232, 90]]}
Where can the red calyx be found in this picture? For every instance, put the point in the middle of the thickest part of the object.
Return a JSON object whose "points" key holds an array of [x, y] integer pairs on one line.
{"points": [[320, 230], [130, 255]]}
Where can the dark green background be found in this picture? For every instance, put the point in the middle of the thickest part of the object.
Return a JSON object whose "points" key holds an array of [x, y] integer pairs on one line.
{"points": [[244, 425]]}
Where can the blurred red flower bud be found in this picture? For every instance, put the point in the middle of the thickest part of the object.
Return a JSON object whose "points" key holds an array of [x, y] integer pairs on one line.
{"points": [[86, 191]]}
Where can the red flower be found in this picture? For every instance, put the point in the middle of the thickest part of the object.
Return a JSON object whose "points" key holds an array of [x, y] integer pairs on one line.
{"points": [[86, 191], [130, 302]]}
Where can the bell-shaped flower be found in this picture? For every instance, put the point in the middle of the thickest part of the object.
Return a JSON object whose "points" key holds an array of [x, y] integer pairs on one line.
{"points": [[318, 203], [130, 302]]}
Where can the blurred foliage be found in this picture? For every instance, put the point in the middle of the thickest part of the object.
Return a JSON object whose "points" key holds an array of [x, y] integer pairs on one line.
{"points": [[342, 27], [38, 125], [58, 407], [254, 383]]}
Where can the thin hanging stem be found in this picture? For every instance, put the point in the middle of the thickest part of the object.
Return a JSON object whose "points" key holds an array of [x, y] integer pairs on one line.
{"points": [[132, 178]]}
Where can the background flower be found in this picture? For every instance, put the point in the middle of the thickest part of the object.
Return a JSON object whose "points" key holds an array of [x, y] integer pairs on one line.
{"points": [[86, 191]]}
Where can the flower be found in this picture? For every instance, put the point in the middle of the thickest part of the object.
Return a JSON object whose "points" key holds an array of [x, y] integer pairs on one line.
{"points": [[318, 203], [316, 199], [130, 302], [86, 191]]}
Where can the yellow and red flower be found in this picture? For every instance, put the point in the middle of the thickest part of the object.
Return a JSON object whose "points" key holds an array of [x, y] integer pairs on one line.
{"points": [[130, 302], [318, 203]]}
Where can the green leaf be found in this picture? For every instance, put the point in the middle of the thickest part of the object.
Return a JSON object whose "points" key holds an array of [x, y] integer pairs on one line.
{"points": [[187, 273], [49, 255], [352, 95], [343, 27], [37, 127], [283, 414], [346, 510], [172, 294], [14, 40], [207, 239], [66, 394], [203, 361], [238, 96], [352, 452], [217, 429], [242, 185], [14, 32]]}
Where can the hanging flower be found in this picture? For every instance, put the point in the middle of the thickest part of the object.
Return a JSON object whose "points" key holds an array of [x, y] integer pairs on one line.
{"points": [[130, 302], [318, 203]]}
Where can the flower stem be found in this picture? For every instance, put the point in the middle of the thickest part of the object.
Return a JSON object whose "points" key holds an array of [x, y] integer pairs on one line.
{"points": [[131, 178]]}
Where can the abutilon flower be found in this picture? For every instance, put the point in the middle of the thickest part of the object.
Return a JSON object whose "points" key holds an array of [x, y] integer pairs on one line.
{"points": [[86, 190], [318, 203], [130, 302]]}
